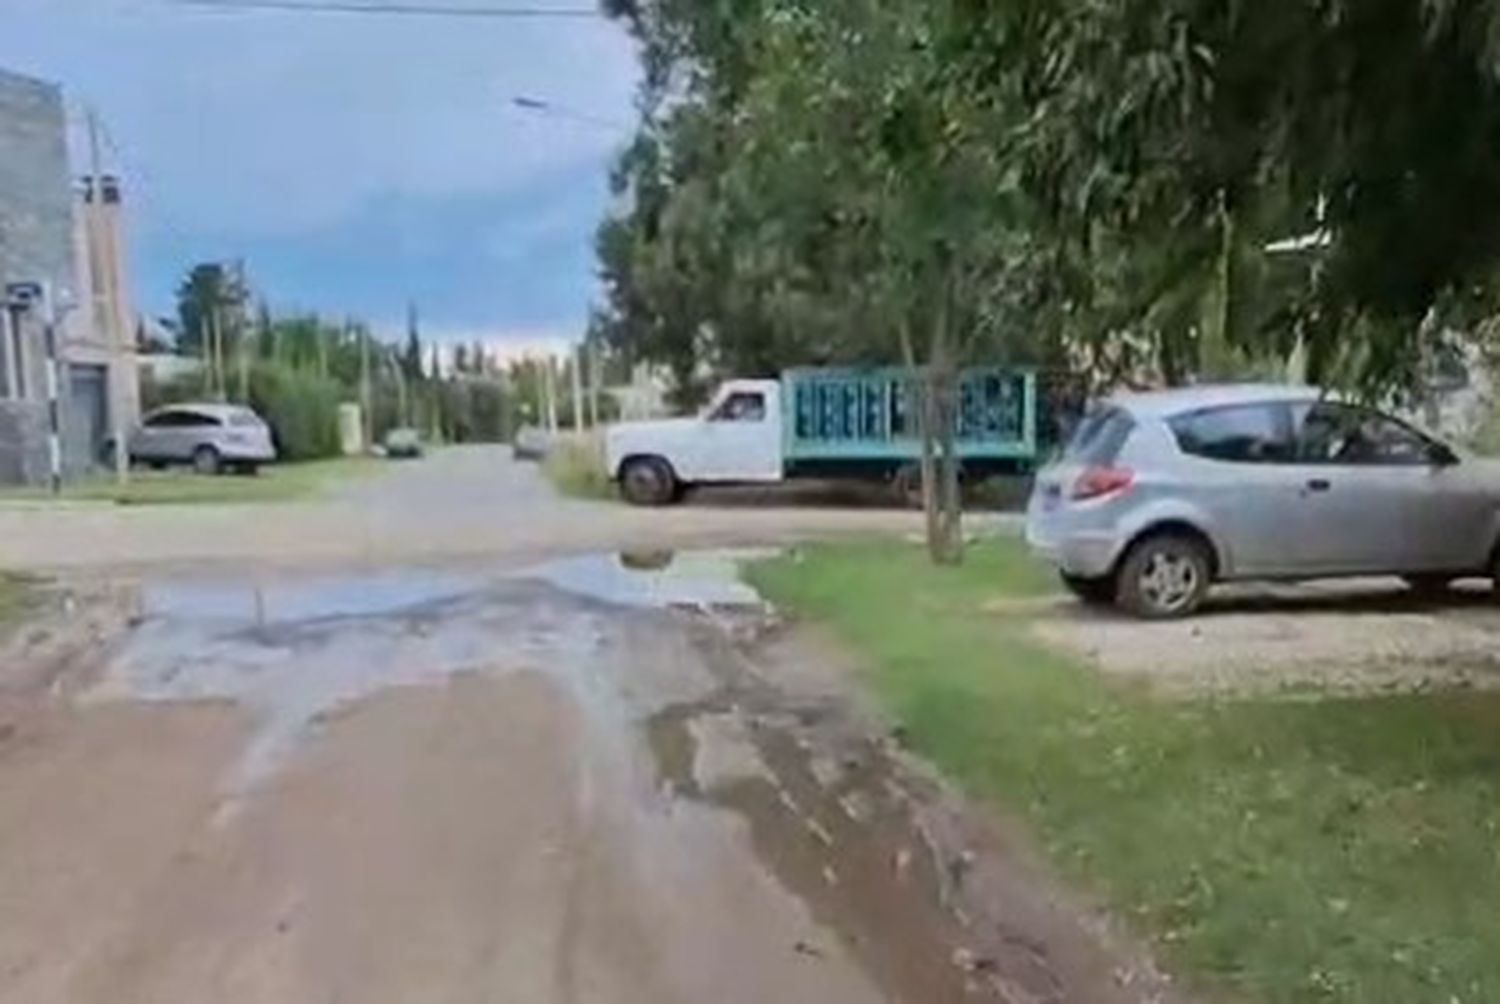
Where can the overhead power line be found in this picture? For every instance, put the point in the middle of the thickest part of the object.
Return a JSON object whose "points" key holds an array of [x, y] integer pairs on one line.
{"points": [[409, 9], [548, 109]]}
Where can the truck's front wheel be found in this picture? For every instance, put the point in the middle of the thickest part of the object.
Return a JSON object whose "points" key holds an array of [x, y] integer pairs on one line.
{"points": [[648, 481]]}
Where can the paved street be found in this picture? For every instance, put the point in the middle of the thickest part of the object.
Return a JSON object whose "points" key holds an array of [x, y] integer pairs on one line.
{"points": [[557, 777]]}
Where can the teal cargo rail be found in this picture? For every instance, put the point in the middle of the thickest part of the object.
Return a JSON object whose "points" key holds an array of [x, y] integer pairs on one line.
{"points": [[871, 416]]}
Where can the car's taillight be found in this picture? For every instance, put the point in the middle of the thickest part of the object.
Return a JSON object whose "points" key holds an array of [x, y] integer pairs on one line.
{"points": [[1097, 482]]}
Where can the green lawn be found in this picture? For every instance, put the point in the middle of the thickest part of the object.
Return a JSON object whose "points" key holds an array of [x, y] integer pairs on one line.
{"points": [[1276, 851], [277, 483]]}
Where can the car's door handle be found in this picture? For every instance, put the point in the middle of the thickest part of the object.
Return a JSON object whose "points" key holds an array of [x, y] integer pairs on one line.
{"points": [[1319, 485]]}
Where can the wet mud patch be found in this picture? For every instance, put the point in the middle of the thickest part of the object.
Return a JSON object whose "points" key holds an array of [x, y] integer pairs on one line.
{"points": [[880, 851], [846, 836]]}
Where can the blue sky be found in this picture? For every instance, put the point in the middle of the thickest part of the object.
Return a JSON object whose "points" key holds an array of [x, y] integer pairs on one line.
{"points": [[355, 162]]}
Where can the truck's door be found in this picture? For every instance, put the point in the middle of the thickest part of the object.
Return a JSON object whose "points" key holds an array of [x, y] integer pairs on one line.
{"points": [[742, 435]]}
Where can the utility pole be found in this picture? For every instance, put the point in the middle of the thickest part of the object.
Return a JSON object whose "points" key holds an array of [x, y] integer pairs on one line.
{"points": [[549, 391], [593, 352], [242, 327], [106, 301], [577, 363], [216, 327], [365, 398]]}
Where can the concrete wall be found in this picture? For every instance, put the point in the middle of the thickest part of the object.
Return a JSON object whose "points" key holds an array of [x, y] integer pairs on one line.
{"points": [[36, 196], [50, 230], [23, 443]]}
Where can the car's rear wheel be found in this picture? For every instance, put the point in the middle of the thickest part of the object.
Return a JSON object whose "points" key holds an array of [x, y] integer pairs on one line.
{"points": [[206, 460], [648, 481], [1095, 592], [1164, 576]]}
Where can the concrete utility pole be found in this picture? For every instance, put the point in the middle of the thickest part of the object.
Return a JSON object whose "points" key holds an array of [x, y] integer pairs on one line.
{"points": [[577, 363], [549, 391], [366, 401], [106, 300], [593, 353], [242, 327], [216, 364]]}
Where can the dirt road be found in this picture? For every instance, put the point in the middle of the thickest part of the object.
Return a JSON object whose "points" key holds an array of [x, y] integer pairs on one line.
{"points": [[584, 779], [468, 503]]}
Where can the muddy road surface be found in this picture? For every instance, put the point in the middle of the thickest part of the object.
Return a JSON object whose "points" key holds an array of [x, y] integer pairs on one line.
{"points": [[596, 779]]}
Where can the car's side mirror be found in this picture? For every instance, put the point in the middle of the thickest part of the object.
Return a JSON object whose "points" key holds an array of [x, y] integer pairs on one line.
{"points": [[1442, 455]]}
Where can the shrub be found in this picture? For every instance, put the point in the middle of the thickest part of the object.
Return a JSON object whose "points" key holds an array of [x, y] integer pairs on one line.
{"points": [[301, 408], [575, 466]]}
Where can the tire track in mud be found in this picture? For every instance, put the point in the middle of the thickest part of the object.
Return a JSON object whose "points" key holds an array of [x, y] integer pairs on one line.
{"points": [[841, 817]]}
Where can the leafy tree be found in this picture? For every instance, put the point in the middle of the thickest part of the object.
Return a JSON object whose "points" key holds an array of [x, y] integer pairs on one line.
{"points": [[1084, 185], [411, 359]]}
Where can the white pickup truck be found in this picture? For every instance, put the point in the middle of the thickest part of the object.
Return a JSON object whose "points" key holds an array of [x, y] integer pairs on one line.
{"points": [[822, 423]]}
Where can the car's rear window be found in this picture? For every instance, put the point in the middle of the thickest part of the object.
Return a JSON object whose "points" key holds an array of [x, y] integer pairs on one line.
{"points": [[244, 417], [1100, 437]]}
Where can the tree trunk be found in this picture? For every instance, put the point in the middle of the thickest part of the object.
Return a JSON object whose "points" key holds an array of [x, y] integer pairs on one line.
{"points": [[927, 423], [931, 424], [940, 456]]}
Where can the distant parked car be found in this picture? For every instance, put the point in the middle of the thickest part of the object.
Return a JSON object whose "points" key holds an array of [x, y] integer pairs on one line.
{"points": [[210, 437], [403, 444], [531, 443], [1159, 495]]}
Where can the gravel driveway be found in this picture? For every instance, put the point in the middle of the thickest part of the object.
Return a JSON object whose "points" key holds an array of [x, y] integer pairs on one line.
{"points": [[1346, 637]]}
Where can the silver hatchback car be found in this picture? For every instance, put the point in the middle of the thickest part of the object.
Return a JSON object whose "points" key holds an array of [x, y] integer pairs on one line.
{"points": [[1159, 495]]}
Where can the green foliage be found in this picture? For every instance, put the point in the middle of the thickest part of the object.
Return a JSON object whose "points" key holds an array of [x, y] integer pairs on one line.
{"points": [[472, 410], [302, 410], [300, 367], [1280, 851], [1092, 185], [575, 466]]}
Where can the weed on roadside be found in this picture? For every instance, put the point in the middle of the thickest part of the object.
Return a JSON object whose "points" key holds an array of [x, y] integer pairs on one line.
{"points": [[1343, 849]]}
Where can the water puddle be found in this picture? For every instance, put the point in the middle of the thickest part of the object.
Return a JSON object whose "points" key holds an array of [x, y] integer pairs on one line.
{"points": [[705, 580], [295, 650], [293, 653], [263, 603]]}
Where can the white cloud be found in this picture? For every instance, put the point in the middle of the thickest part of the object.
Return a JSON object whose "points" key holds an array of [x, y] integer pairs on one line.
{"points": [[266, 123]]}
